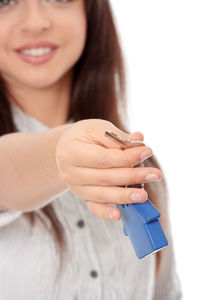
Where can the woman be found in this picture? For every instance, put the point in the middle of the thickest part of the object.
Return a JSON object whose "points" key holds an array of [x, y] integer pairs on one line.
{"points": [[60, 177]]}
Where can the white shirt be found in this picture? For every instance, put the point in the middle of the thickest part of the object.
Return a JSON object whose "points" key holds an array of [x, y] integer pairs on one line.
{"points": [[28, 258]]}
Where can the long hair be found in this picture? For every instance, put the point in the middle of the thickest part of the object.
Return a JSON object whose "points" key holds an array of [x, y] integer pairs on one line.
{"points": [[98, 91]]}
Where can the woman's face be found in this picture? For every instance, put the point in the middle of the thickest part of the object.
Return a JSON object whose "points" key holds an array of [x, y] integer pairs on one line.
{"points": [[62, 22]]}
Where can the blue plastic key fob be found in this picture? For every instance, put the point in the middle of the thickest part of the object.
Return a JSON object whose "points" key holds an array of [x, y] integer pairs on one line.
{"points": [[141, 224]]}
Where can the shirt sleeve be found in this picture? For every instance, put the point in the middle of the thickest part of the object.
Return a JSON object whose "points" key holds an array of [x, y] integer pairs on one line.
{"points": [[8, 216], [167, 284]]}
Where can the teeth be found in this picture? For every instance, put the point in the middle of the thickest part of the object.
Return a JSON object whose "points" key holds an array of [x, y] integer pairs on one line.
{"points": [[36, 52]]}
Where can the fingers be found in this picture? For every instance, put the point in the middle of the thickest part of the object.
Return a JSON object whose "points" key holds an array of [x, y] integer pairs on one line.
{"points": [[111, 194], [110, 177], [96, 156], [103, 211]]}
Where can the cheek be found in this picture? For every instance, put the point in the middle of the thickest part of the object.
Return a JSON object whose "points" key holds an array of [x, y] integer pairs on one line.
{"points": [[75, 32], [3, 47], [6, 28], [4, 33]]}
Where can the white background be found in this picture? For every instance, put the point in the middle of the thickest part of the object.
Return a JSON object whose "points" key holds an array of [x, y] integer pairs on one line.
{"points": [[161, 43]]}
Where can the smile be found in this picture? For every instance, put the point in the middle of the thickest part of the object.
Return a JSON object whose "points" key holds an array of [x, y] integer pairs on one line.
{"points": [[37, 55]]}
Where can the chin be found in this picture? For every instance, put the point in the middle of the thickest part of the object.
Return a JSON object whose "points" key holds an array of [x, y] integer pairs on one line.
{"points": [[39, 81]]}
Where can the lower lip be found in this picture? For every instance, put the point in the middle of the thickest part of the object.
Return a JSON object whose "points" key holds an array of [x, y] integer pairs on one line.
{"points": [[37, 59]]}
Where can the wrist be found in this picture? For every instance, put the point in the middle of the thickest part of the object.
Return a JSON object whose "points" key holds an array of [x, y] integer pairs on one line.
{"points": [[51, 139]]}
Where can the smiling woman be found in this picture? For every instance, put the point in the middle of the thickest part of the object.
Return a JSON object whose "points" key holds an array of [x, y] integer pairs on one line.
{"points": [[27, 22], [62, 80]]}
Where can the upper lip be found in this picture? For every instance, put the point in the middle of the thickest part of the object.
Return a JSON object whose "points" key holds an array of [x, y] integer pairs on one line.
{"points": [[37, 45]]}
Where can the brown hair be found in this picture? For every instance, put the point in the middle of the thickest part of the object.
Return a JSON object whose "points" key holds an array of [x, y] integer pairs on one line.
{"points": [[98, 91]]}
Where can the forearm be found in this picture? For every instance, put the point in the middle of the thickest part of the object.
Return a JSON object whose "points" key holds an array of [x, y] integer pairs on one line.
{"points": [[29, 173]]}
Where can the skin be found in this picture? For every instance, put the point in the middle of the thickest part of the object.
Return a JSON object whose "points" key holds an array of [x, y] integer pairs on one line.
{"points": [[46, 87], [95, 167], [43, 91]]}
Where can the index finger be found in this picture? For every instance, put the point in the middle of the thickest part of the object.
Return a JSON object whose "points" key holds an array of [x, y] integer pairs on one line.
{"points": [[97, 156]]}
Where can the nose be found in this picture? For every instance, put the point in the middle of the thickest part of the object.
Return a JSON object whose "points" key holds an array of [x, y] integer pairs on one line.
{"points": [[34, 20]]}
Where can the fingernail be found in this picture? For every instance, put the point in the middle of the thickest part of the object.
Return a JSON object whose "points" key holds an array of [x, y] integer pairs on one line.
{"points": [[113, 214], [146, 154], [136, 197], [152, 177], [130, 135], [110, 215]]}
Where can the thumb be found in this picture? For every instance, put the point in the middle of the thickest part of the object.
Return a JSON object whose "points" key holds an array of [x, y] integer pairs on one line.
{"points": [[136, 136]]}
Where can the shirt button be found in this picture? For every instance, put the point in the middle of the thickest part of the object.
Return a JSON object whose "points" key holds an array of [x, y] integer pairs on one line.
{"points": [[93, 273], [80, 223]]}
